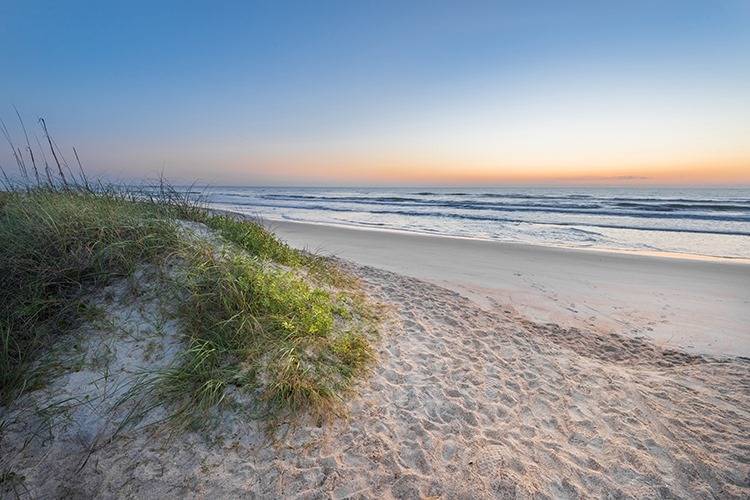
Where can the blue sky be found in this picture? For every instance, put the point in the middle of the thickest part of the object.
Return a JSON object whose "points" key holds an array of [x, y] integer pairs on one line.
{"points": [[385, 92]]}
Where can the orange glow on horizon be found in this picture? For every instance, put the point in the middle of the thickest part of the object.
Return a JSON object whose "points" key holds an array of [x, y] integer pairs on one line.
{"points": [[339, 170]]}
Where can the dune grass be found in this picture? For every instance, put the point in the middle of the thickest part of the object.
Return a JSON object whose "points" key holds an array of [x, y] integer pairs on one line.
{"points": [[253, 238], [256, 314], [54, 246], [257, 240], [288, 328], [265, 330]]}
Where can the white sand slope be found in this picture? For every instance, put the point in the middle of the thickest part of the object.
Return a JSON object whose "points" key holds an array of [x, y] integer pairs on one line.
{"points": [[698, 306]]}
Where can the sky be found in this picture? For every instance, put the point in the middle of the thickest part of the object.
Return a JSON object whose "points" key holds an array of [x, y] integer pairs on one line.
{"points": [[387, 93]]}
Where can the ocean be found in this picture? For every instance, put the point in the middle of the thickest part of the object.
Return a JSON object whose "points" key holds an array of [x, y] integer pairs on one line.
{"points": [[695, 222]]}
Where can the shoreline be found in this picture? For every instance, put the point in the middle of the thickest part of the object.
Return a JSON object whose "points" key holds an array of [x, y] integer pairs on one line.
{"points": [[620, 251], [696, 305]]}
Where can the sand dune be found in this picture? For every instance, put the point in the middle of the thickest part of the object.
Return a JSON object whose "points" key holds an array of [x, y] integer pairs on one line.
{"points": [[465, 402], [471, 397]]}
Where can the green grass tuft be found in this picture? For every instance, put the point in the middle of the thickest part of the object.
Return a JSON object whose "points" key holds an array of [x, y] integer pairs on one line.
{"points": [[267, 331], [254, 239]]}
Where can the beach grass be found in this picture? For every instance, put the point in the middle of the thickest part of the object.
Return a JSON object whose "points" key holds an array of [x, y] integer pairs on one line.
{"points": [[56, 245], [288, 329], [264, 329], [257, 240]]}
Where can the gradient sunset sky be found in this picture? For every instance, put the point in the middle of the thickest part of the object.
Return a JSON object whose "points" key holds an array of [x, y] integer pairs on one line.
{"points": [[381, 93]]}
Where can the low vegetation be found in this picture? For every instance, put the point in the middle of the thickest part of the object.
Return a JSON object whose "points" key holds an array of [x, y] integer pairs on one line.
{"points": [[262, 327], [55, 246], [256, 240], [288, 329]]}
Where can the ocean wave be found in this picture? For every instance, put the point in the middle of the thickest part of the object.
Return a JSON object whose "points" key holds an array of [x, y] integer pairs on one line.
{"points": [[592, 202], [714, 207], [654, 211], [478, 217], [575, 196], [624, 201]]}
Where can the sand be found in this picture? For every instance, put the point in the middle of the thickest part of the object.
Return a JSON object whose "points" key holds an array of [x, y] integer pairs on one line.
{"points": [[702, 307], [469, 399]]}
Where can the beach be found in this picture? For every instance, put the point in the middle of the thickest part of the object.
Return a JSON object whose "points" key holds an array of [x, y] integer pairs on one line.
{"points": [[523, 371], [699, 306], [375, 250], [501, 371]]}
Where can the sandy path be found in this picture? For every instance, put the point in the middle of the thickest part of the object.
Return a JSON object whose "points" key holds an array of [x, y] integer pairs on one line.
{"points": [[465, 402], [698, 306], [468, 403]]}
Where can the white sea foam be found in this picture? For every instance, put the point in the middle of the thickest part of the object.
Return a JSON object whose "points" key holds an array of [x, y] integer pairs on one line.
{"points": [[711, 222]]}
